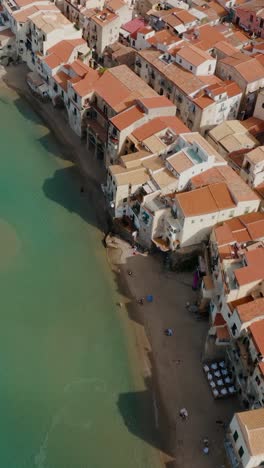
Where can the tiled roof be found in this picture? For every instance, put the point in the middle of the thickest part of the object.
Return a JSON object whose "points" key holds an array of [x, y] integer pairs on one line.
{"points": [[254, 271], [249, 68], [64, 49], [134, 25], [158, 124], [239, 188], [219, 320], [180, 162], [104, 17], [256, 155], [156, 102], [87, 84], [194, 55], [127, 117], [163, 37], [183, 79], [252, 426], [120, 86], [252, 310], [210, 199]]}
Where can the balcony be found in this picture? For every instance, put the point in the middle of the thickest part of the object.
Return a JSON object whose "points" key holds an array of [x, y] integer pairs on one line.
{"points": [[99, 131]]}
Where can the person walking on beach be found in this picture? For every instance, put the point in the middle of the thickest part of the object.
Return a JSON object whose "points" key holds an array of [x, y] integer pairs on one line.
{"points": [[183, 414]]}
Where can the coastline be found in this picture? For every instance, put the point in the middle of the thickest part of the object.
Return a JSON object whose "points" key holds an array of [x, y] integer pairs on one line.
{"points": [[91, 173]]}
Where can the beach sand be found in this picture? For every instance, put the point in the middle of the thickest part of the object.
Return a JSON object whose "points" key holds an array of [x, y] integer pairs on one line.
{"points": [[170, 366]]}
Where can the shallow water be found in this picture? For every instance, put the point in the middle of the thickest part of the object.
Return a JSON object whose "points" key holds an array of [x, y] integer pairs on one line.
{"points": [[67, 396]]}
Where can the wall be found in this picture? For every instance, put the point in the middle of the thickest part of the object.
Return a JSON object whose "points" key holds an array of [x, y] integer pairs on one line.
{"points": [[259, 107], [247, 460], [250, 21]]}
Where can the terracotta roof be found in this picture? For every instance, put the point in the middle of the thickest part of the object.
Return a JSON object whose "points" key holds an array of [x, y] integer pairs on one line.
{"points": [[80, 68], [257, 332], [194, 55], [252, 310], [226, 48], [185, 17], [205, 36], [104, 17], [238, 187], [223, 235], [61, 52], [115, 5], [22, 15], [158, 124], [219, 320], [163, 37], [252, 427], [182, 78], [180, 162], [254, 271], [156, 102], [87, 84], [210, 199], [127, 117], [134, 25], [119, 87], [248, 67], [222, 196]]}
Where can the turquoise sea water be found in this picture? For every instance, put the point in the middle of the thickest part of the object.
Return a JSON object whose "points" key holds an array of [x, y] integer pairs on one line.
{"points": [[67, 397]]}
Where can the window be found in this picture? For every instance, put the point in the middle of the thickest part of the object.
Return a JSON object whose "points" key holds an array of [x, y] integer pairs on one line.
{"points": [[209, 67], [191, 67], [261, 24], [74, 111], [180, 60], [161, 91], [241, 452], [105, 110], [251, 18], [257, 379], [213, 217], [201, 220], [235, 436], [231, 213], [193, 221], [234, 328], [124, 200], [246, 210], [262, 105], [75, 97], [55, 87], [133, 43]]}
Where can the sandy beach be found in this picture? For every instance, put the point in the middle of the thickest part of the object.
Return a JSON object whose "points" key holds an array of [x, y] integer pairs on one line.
{"points": [[170, 366]]}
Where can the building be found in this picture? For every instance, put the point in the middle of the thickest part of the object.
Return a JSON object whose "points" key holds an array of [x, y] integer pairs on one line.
{"points": [[252, 169], [102, 28], [125, 123], [259, 107], [248, 72], [230, 137], [7, 46], [246, 436], [202, 99], [119, 54], [250, 17], [63, 53]]}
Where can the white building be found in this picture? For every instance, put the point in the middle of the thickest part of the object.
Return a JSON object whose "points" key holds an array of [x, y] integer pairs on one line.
{"points": [[246, 434]]}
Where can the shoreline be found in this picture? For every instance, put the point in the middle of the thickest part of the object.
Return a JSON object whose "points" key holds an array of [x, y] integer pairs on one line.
{"points": [[92, 174]]}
